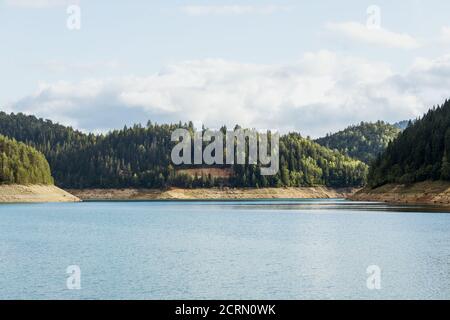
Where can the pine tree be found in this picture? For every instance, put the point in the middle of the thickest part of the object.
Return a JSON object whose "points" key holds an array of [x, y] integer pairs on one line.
{"points": [[445, 168]]}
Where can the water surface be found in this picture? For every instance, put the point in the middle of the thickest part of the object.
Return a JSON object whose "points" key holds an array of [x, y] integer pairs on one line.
{"points": [[308, 249]]}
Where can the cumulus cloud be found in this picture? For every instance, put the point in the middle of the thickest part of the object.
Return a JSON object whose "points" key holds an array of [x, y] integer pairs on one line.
{"points": [[375, 36], [205, 10], [445, 35], [321, 92]]}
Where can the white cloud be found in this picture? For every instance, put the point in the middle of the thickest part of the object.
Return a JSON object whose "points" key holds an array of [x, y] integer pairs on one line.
{"points": [[322, 92], [39, 3], [375, 36], [445, 35], [204, 10]]}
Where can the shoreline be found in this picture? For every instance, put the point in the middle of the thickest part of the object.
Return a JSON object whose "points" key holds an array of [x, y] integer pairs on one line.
{"points": [[34, 194], [424, 193], [211, 194]]}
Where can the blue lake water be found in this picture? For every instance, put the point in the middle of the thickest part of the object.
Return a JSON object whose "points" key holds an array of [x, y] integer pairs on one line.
{"points": [[309, 249]]}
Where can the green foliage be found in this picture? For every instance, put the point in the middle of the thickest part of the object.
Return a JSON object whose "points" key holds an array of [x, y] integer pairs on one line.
{"points": [[421, 152], [21, 164], [140, 157], [364, 141], [306, 163], [445, 168], [402, 125]]}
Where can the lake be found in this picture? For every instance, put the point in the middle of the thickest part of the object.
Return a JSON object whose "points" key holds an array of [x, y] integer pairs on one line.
{"points": [[303, 249]]}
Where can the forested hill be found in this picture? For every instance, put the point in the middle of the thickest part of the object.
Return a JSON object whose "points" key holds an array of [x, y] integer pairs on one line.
{"points": [[421, 152], [402, 125], [21, 164], [140, 157], [364, 141]]}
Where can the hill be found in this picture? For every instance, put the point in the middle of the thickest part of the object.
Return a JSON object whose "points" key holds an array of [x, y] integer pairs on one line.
{"points": [[364, 141], [426, 192], [34, 193], [402, 125], [421, 152], [22, 164], [139, 157]]}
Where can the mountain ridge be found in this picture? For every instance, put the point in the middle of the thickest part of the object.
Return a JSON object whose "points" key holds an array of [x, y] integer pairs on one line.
{"points": [[139, 157], [364, 141], [421, 152]]}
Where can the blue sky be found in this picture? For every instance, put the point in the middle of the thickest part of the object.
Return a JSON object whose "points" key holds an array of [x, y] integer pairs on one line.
{"points": [[312, 66]]}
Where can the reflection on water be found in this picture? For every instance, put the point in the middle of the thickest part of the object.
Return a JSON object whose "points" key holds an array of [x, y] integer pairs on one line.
{"points": [[339, 205], [311, 204], [281, 249]]}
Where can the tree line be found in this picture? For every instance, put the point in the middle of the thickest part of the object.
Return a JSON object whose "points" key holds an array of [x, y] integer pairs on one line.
{"points": [[139, 156], [22, 164], [364, 141], [421, 152]]}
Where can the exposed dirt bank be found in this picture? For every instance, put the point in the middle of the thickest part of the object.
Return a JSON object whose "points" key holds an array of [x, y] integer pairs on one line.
{"points": [[34, 193], [212, 194], [429, 192]]}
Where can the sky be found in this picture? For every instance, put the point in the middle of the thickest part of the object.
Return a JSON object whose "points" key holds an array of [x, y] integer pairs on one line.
{"points": [[310, 66]]}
